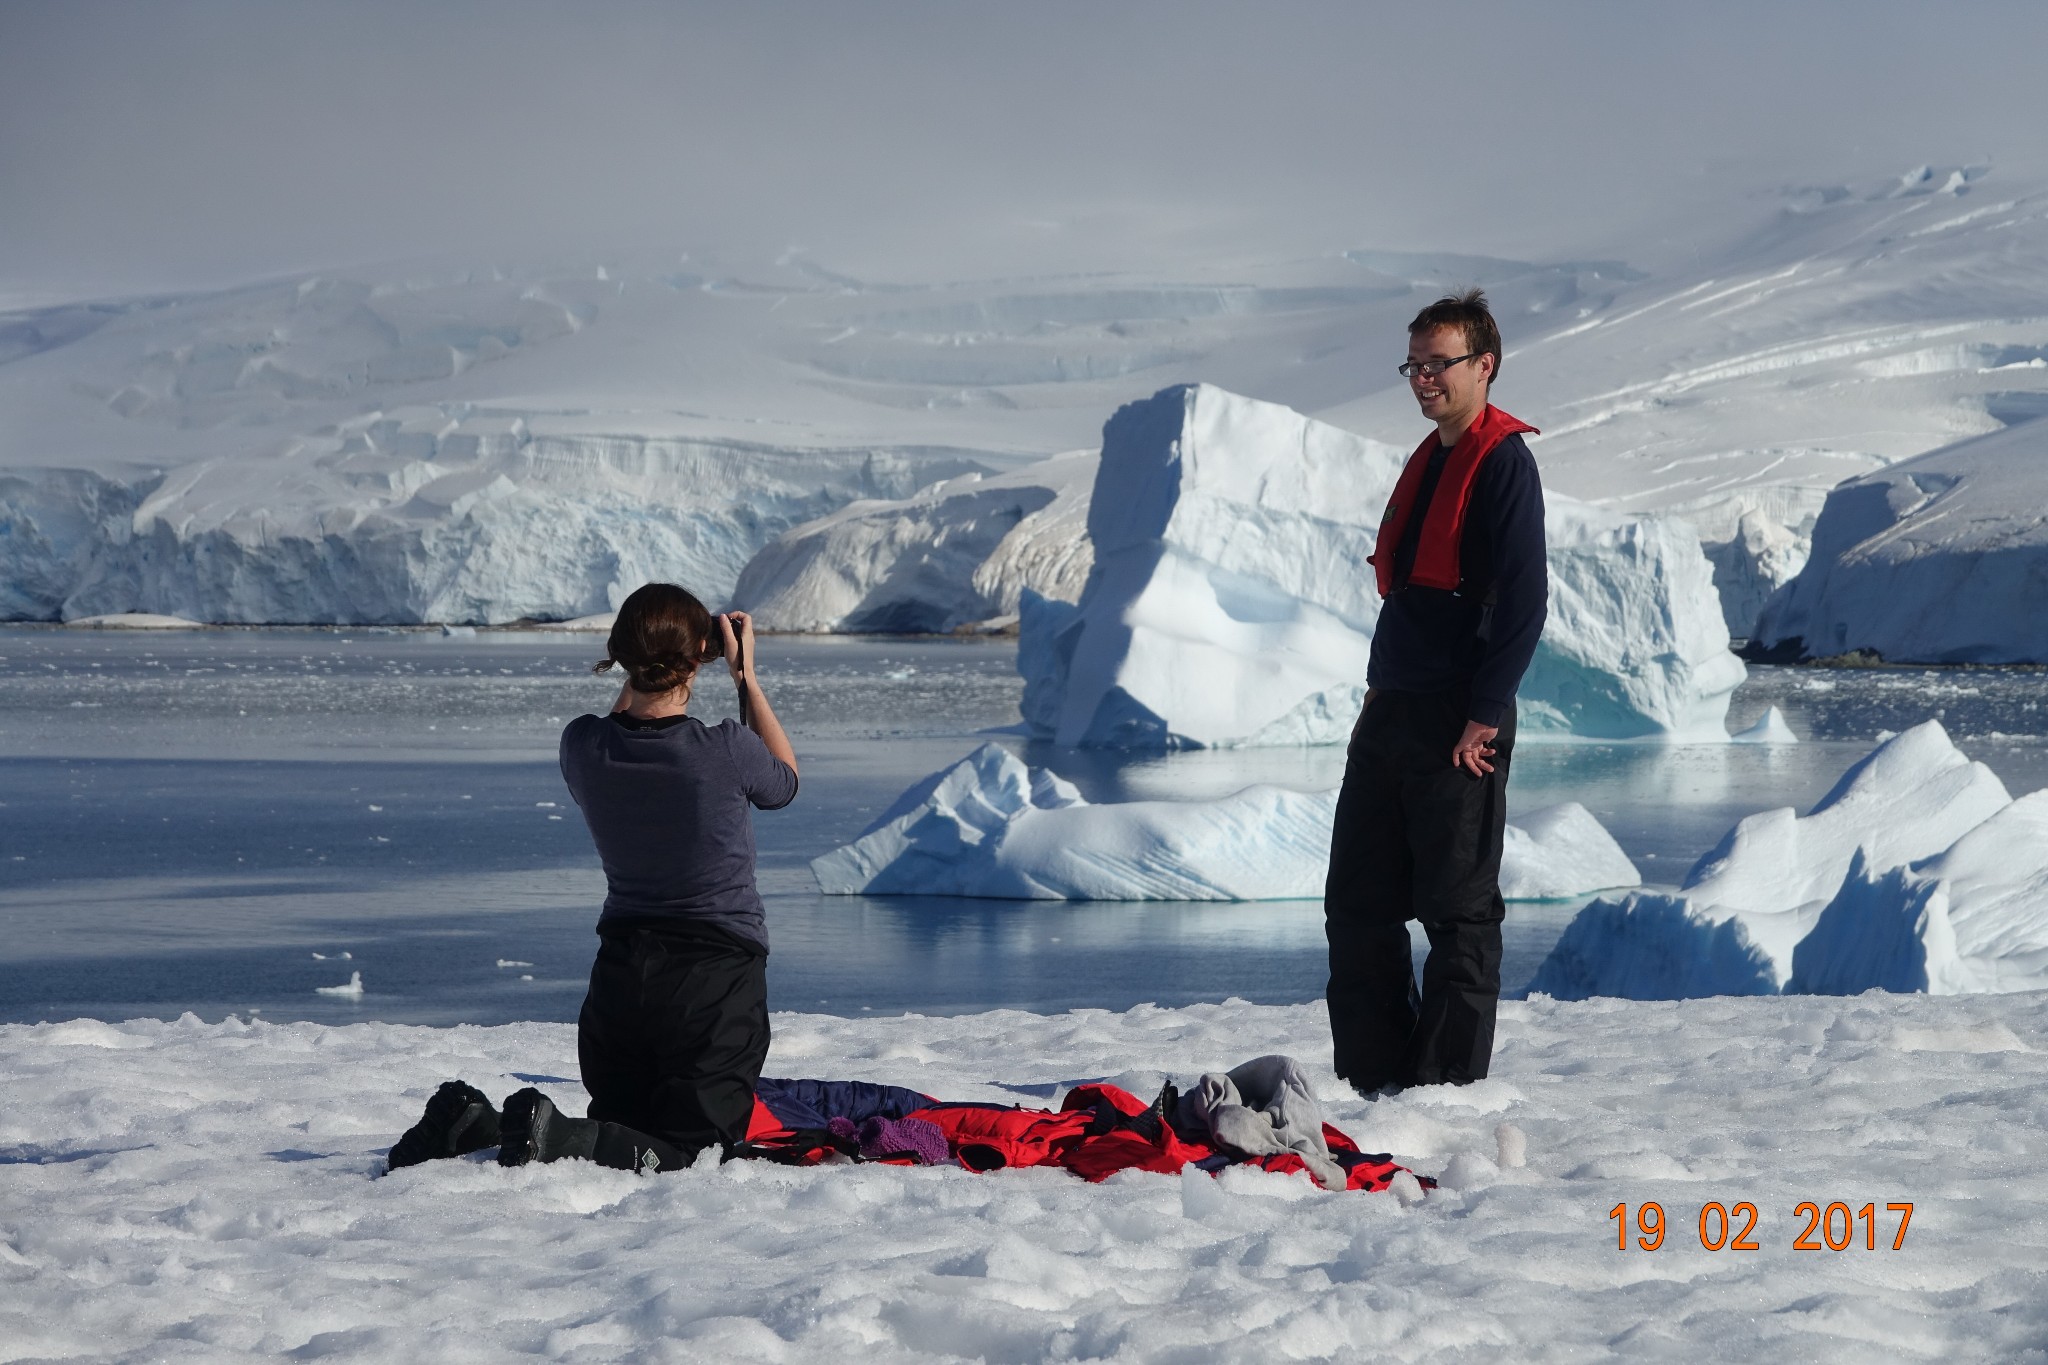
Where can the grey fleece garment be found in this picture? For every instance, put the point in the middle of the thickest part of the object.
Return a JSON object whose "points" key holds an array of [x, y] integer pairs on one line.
{"points": [[1265, 1108]]}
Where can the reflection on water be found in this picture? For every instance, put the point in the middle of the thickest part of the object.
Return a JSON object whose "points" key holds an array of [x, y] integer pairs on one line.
{"points": [[186, 820]]}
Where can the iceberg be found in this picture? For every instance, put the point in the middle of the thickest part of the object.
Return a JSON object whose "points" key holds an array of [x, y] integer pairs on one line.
{"points": [[1937, 559], [1916, 872], [1770, 728], [1653, 947], [957, 554], [1559, 852], [1974, 917], [1230, 602], [1910, 797], [993, 826]]}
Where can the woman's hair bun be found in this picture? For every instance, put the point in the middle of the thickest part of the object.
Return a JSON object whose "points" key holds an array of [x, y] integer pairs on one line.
{"points": [[662, 633]]}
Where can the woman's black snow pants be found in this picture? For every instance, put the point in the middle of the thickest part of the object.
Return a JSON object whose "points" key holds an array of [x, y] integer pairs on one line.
{"points": [[672, 1038], [1415, 838]]}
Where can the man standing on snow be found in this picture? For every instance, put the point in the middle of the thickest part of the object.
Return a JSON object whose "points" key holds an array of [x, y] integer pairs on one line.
{"points": [[1461, 574]]}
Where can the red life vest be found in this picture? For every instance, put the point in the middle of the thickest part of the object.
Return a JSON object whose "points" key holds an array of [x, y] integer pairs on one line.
{"points": [[1443, 524]]}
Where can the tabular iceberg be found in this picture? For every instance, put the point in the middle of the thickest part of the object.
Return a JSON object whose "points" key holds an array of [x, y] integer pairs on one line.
{"points": [[1940, 559], [993, 826], [1230, 602], [1916, 872]]}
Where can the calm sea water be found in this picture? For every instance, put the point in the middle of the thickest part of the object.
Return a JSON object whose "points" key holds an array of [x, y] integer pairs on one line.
{"points": [[227, 821]]}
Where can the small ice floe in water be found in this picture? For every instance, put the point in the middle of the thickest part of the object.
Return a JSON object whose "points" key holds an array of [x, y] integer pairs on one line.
{"points": [[512, 962], [133, 620], [352, 991], [463, 631], [339, 957], [899, 674], [1769, 729]]}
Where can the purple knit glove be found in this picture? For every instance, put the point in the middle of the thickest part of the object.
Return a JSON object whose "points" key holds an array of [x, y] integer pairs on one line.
{"points": [[920, 1137]]}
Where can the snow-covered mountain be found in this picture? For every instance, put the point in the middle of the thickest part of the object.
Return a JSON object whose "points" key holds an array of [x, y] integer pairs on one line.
{"points": [[486, 443]]}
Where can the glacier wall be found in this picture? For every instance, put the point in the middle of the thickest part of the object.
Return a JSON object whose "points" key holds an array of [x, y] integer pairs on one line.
{"points": [[1938, 559], [1230, 602], [423, 515]]}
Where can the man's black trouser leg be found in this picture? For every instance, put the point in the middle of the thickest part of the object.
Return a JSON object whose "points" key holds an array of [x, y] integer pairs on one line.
{"points": [[672, 1038], [1415, 838]]}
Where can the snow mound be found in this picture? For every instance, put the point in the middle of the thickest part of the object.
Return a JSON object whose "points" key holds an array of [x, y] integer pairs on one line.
{"points": [[1230, 602], [953, 555], [1915, 873], [993, 826], [1938, 559]]}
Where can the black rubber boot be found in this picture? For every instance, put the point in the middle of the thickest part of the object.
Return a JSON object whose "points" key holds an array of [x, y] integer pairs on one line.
{"points": [[458, 1119], [534, 1130]]}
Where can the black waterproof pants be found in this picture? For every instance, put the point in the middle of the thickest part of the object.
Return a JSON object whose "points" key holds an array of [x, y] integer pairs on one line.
{"points": [[1415, 838], [672, 1038]]}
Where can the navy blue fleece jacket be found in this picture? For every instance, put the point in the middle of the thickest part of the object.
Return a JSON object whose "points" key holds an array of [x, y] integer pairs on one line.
{"points": [[1480, 638]]}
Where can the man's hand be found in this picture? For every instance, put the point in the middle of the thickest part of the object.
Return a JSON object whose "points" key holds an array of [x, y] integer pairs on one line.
{"points": [[1475, 748], [1363, 706]]}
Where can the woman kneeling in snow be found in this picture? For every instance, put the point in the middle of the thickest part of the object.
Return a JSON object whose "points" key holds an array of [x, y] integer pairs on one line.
{"points": [[675, 1027]]}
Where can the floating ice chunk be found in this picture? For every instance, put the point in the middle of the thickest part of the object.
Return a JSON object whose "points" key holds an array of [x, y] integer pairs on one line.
{"points": [[1972, 918], [951, 556], [1770, 728], [352, 989], [134, 620], [1835, 898], [1559, 852], [1910, 797], [1230, 601], [462, 632], [601, 621], [1936, 559], [992, 826]]}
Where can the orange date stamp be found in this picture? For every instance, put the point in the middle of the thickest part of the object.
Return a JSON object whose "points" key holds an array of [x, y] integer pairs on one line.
{"points": [[1733, 1227]]}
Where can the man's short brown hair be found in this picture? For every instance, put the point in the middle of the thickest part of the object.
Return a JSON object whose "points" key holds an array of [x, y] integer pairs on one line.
{"points": [[1469, 314]]}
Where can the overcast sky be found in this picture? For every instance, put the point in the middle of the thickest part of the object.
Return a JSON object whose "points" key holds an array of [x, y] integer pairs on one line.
{"points": [[166, 143]]}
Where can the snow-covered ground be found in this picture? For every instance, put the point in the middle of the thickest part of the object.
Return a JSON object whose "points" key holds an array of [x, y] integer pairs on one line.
{"points": [[212, 1192]]}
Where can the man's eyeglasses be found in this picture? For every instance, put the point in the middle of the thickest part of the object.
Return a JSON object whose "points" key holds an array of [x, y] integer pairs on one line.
{"points": [[1430, 369]]}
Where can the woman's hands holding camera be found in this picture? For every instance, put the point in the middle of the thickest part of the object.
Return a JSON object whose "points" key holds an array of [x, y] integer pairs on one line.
{"points": [[736, 628]]}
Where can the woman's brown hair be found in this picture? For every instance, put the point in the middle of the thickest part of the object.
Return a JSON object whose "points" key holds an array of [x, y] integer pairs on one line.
{"points": [[662, 633]]}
